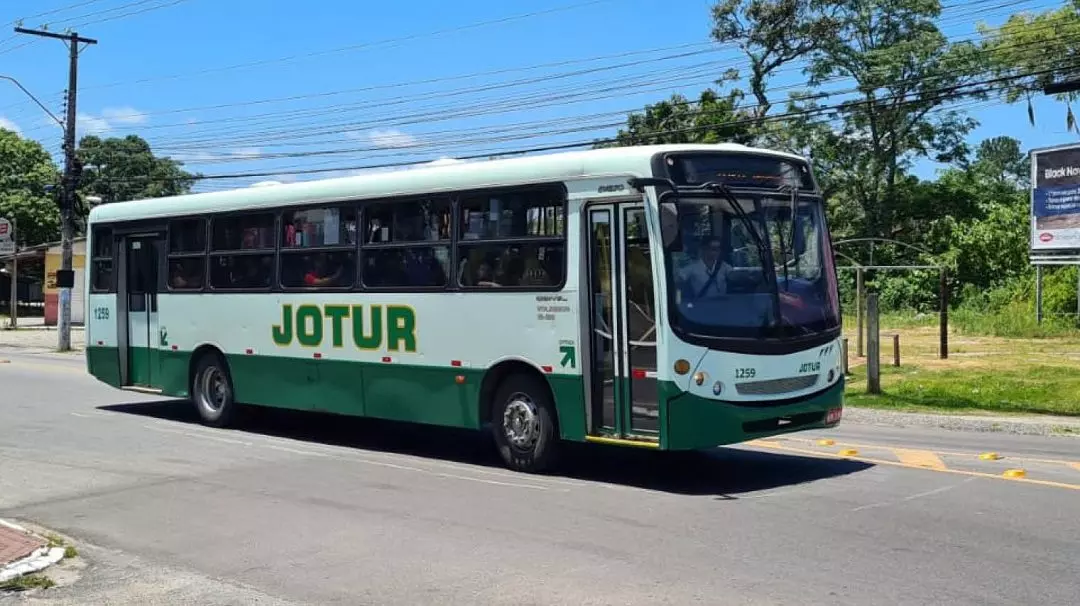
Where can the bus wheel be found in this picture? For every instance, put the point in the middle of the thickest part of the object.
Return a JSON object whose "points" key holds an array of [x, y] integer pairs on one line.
{"points": [[212, 391], [523, 421]]}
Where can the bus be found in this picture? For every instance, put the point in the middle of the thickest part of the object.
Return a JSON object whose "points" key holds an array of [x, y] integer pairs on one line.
{"points": [[671, 297]]}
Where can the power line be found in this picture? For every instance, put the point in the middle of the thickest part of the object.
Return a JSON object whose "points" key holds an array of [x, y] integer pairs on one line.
{"points": [[531, 100], [277, 117], [362, 46], [944, 94]]}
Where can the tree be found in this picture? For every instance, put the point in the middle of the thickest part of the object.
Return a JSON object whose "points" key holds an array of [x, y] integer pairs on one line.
{"points": [[772, 34], [711, 119], [905, 74], [118, 170], [1033, 50], [27, 174]]}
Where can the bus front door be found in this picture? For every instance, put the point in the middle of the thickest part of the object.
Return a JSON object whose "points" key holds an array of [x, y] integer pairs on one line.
{"points": [[622, 329], [137, 291]]}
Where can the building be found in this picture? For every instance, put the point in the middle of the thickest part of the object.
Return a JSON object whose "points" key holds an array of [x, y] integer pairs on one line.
{"points": [[52, 293], [37, 281]]}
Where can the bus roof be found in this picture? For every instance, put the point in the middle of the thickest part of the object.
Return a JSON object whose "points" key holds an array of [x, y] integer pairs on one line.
{"points": [[416, 180]]}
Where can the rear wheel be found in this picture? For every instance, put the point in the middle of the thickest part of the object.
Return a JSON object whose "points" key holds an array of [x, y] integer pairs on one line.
{"points": [[212, 391], [524, 423]]}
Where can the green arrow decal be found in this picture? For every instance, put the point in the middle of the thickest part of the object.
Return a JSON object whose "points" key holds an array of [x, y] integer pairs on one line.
{"points": [[569, 356]]}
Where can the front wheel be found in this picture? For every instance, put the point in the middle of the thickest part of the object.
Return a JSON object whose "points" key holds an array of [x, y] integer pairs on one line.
{"points": [[524, 424], [212, 391]]}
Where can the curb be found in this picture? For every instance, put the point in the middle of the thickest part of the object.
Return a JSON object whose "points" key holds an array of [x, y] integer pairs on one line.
{"points": [[1031, 426], [39, 560]]}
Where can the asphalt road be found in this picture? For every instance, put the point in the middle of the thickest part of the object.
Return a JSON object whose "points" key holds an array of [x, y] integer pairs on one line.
{"points": [[297, 508]]}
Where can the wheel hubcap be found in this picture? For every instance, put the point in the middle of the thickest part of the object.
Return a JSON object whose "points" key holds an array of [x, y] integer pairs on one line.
{"points": [[521, 422], [214, 389]]}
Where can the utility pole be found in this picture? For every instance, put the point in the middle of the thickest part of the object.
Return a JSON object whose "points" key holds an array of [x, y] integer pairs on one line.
{"points": [[65, 277]]}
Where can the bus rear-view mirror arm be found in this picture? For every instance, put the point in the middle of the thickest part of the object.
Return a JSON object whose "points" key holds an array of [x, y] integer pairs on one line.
{"points": [[669, 210]]}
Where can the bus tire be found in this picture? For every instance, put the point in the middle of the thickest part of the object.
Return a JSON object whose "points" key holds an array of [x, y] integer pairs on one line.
{"points": [[524, 423], [212, 391]]}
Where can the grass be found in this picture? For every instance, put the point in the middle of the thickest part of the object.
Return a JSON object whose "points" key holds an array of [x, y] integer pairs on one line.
{"points": [[27, 582], [983, 373]]}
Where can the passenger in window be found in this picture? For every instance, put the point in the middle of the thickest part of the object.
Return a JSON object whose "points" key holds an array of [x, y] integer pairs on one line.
{"points": [[319, 275], [177, 277]]}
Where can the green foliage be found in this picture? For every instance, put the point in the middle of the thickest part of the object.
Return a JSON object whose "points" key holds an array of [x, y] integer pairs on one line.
{"points": [[711, 119], [118, 170], [26, 173], [1019, 50], [772, 34]]}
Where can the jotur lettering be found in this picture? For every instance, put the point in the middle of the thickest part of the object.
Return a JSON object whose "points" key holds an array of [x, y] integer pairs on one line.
{"points": [[391, 327]]}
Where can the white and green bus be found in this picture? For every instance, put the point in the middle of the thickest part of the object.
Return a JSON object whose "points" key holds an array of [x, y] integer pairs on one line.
{"points": [[670, 297]]}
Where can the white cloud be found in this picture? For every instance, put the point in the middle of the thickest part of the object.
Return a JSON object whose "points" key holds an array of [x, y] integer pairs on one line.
{"points": [[123, 115], [391, 138], [198, 156], [444, 162], [9, 125], [246, 152], [110, 117], [92, 125]]}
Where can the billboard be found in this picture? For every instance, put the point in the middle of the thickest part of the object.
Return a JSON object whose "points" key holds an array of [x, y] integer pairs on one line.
{"points": [[1055, 199]]}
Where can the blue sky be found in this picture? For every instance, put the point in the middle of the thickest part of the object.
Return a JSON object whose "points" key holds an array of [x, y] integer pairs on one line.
{"points": [[207, 81]]}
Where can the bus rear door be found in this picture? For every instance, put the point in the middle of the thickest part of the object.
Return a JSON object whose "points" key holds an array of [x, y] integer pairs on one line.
{"points": [[137, 299]]}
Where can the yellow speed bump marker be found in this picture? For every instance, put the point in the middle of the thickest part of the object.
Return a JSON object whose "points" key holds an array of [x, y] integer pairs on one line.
{"points": [[990, 456], [826, 442], [1014, 473], [848, 452]]}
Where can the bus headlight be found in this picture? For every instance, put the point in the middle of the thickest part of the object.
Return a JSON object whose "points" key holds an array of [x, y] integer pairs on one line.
{"points": [[699, 378]]}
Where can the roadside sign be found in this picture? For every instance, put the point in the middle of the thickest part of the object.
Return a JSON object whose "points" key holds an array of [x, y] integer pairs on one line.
{"points": [[7, 241]]}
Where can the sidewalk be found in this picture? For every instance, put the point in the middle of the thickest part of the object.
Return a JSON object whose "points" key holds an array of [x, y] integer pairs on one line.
{"points": [[33, 334], [16, 545]]}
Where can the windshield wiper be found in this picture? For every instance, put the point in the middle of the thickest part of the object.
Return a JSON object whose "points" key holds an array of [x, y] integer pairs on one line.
{"points": [[723, 190], [768, 265]]}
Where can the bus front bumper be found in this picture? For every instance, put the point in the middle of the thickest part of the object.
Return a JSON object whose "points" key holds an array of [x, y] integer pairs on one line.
{"points": [[693, 422]]}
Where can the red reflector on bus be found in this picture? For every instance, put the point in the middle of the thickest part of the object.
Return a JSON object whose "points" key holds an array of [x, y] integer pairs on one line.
{"points": [[318, 355], [455, 363], [249, 351], [386, 359], [459, 379], [637, 373], [833, 416], [101, 342], [547, 368], [174, 348]]}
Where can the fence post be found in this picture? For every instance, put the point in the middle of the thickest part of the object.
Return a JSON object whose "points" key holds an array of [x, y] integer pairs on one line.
{"points": [[844, 357], [873, 346], [860, 297], [896, 349], [1038, 294], [944, 345]]}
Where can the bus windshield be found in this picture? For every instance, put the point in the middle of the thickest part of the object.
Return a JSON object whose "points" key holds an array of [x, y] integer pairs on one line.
{"points": [[729, 284]]}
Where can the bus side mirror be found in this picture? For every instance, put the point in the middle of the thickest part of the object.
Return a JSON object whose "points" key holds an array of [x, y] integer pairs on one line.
{"points": [[670, 226]]}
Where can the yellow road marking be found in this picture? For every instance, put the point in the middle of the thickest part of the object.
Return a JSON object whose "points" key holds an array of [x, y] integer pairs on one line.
{"points": [[1075, 466], [977, 474], [951, 453], [919, 458]]}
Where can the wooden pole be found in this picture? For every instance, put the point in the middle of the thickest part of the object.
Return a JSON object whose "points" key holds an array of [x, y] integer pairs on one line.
{"points": [[896, 350], [860, 296], [944, 345], [873, 346]]}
